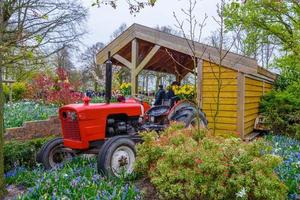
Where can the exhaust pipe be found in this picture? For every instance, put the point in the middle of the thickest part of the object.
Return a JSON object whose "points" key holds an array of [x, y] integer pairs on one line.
{"points": [[108, 81]]}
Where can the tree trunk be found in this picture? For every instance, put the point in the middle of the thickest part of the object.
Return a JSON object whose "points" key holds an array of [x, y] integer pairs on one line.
{"points": [[147, 79], [95, 86], [2, 184]]}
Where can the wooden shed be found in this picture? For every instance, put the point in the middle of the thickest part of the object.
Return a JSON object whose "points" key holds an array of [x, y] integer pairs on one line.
{"points": [[235, 81]]}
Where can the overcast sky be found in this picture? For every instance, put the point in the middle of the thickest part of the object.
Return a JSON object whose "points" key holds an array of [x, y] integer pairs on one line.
{"points": [[104, 20]]}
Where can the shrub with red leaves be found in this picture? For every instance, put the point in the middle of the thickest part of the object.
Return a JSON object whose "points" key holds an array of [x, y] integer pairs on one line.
{"points": [[56, 90]]}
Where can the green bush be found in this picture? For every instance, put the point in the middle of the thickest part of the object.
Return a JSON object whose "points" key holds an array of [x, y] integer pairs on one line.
{"points": [[282, 110], [18, 91], [21, 153], [6, 92], [187, 164]]}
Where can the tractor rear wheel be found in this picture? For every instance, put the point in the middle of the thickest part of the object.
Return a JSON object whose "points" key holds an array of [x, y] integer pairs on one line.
{"points": [[190, 119], [196, 122], [117, 156], [52, 155]]}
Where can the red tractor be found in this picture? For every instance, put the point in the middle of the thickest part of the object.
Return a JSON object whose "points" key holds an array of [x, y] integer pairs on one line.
{"points": [[111, 130]]}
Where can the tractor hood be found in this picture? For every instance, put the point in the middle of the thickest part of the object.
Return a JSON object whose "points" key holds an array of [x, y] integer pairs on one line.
{"points": [[92, 111]]}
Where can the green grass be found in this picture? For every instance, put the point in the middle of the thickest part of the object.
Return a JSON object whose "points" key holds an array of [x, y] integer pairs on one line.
{"points": [[77, 179]]}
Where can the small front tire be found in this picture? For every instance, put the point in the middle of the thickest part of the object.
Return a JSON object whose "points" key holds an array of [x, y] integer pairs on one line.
{"points": [[52, 155], [117, 156]]}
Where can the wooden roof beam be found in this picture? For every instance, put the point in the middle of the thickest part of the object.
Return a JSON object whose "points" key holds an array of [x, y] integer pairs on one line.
{"points": [[146, 60], [122, 60]]}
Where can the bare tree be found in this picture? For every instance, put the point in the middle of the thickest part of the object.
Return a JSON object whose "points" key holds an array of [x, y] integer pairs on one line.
{"points": [[90, 68], [168, 29], [28, 31], [118, 31], [192, 34], [224, 45], [62, 58]]}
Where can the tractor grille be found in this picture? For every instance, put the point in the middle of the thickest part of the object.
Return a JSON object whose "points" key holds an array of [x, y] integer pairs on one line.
{"points": [[71, 127]]}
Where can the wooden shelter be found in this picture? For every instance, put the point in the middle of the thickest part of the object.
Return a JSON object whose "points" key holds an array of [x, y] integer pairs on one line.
{"points": [[228, 89]]}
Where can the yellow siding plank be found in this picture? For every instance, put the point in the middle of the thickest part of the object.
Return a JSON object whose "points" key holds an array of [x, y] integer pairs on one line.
{"points": [[251, 111], [250, 117], [221, 95], [253, 94], [250, 81], [249, 124], [248, 130], [224, 120], [215, 69], [252, 99], [251, 105], [253, 88], [230, 127], [210, 113], [222, 107], [223, 88], [224, 75], [225, 82], [224, 101]]}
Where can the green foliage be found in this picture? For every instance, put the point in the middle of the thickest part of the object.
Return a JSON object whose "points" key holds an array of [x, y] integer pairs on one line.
{"points": [[181, 165], [16, 114], [18, 91], [282, 110], [21, 153], [78, 179], [275, 22], [97, 100], [6, 92]]}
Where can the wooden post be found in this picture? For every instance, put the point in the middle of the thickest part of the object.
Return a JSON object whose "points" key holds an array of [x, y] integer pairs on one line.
{"points": [[199, 82], [134, 65], [241, 104]]}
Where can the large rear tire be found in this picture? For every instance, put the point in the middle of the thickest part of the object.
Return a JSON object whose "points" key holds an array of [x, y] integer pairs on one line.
{"points": [[191, 119], [52, 155], [117, 156]]}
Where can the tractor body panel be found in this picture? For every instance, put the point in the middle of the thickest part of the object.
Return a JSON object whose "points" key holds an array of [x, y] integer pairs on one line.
{"points": [[82, 124]]}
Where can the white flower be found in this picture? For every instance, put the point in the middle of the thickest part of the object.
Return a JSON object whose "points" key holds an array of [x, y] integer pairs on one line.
{"points": [[241, 193], [277, 150]]}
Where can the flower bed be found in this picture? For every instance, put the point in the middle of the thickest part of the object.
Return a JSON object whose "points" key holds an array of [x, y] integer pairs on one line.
{"points": [[289, 170], [75, 180], [16, 114]]}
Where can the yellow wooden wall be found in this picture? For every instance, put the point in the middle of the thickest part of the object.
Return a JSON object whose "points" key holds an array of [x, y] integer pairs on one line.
{"points": [[227, 118], [254, 89]]}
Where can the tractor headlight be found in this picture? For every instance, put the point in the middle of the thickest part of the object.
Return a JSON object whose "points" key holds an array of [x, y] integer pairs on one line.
{"points": [[68, 115]]}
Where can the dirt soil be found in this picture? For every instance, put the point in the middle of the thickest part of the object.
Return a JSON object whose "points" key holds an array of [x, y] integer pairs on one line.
{"points": [[13, 192], [148, 190]]}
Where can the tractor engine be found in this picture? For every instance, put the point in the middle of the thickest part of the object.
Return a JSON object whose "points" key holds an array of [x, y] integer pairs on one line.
{"points": [[121, 125]]}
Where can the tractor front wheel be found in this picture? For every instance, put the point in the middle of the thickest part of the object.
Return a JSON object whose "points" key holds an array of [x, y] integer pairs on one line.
{"points": [[117, 156], [52, 154]]}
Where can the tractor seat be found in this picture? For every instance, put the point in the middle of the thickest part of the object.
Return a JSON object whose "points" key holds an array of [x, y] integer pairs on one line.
{"points": [[158, 110]]}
